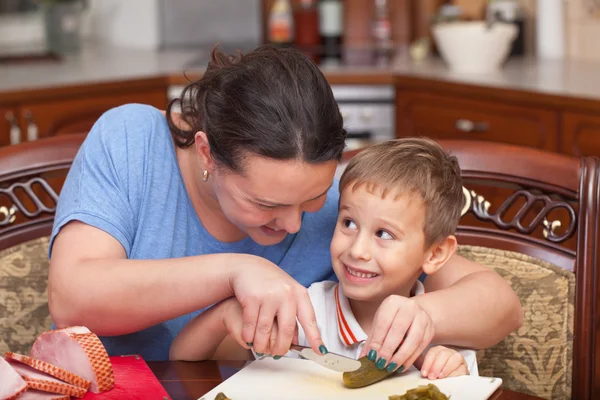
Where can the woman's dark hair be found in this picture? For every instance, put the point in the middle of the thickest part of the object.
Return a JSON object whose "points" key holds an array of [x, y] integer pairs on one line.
{"points": [[273, 102]]}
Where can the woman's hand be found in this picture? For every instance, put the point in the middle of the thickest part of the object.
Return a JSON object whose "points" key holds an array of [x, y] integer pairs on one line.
{"points": [[400, 332], [267, 294], [233, 319], [442, 362]]}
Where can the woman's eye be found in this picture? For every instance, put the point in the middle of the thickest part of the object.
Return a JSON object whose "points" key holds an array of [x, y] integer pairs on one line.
{"points": [[265, 206], [384, 235], [348, 223]]}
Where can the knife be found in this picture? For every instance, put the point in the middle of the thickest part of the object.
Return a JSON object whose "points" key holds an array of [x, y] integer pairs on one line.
{"points": [[333, 361]]}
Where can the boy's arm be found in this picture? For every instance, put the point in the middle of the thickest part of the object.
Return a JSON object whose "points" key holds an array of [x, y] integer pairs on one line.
{"points": [[206, 337]]}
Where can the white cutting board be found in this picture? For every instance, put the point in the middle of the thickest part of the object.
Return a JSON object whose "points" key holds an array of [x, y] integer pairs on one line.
{"points": [[297, 379]]}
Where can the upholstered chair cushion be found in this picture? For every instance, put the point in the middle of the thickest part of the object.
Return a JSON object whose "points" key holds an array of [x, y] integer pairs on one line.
{"points": [[24, 311], [537, 358]]}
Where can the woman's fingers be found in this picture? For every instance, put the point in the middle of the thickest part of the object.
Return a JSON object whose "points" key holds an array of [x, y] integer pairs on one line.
{"points": [[286, 327], [308, 320], [382, 322], [423, 338], [273, 340], [393, 341], [250, 317], [264, 325], [401, 331]]}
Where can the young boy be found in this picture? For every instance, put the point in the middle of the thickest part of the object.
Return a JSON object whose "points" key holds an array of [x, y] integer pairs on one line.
{"points": [[399, 206]]}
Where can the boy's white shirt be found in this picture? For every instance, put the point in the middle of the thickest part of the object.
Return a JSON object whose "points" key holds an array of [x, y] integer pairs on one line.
{"points": [[339, 329]]}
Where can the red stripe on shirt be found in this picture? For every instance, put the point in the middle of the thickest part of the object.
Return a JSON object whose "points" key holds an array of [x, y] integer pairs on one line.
{"points": [[341, 317]]}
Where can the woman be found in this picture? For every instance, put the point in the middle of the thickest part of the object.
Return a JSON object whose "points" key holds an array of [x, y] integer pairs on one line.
{"points": [[163, 216]]}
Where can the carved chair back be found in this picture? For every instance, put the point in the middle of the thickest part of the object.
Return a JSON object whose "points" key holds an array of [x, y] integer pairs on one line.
{"points": [[542, 205], [31, 176]]}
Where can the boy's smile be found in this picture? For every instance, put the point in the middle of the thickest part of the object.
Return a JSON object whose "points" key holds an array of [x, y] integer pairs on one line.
{"points": [[359, 275], [378, 247]]}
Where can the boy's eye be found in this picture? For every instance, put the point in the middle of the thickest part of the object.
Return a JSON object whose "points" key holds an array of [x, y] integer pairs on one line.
{"points": [[348, 223], [384, 235]]}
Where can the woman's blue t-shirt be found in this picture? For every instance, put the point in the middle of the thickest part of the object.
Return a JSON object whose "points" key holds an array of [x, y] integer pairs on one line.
{"points": [[126, 181]]}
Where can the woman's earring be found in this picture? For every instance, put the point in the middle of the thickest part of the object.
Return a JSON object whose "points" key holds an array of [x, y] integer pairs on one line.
{"points": [[205, 175]]}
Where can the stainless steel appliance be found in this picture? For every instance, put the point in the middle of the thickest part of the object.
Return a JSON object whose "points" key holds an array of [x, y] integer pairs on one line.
{"points": [[368, 111]]}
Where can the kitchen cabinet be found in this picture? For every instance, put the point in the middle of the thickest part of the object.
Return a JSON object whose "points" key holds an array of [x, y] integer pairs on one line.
{"points": [[451, 116], [76, 115], [43, 113], [580, 134], [8, 121]]}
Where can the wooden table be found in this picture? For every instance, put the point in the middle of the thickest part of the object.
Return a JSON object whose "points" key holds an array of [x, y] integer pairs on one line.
{"points": [[191, 380]]}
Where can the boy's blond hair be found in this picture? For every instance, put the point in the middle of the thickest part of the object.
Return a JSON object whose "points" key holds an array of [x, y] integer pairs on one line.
{"points": [[414, 166]]}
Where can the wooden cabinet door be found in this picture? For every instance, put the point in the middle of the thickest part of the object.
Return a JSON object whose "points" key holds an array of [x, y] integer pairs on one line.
{"points": [[442, 116], [52, 118], [8, 120], [580, 134]]}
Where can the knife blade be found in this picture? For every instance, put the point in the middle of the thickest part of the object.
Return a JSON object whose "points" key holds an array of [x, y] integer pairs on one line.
{"points": [[333, 361]]}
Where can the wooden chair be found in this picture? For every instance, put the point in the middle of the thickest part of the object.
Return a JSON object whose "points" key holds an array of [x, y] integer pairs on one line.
{"points": [[31, 176], [522, 201]]}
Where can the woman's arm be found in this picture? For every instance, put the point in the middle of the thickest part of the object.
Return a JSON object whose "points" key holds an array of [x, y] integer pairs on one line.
{"points": [[92, 283], [207, 337], [470, 305]]}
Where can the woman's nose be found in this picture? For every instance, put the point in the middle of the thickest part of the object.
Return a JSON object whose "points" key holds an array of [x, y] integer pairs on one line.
{"points": [[291, 221], [360, 249]]}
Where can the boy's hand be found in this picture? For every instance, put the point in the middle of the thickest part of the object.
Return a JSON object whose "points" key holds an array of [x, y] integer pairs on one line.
{"points": [[233, 319], [442, 362], [401, 331]]}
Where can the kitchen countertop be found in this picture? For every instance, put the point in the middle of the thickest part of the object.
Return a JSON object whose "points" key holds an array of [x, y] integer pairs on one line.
{"points": [[99, 64]]}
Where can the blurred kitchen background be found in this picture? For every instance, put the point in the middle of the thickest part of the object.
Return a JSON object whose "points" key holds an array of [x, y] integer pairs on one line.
{"points": [[29, 27], [392, 63]]}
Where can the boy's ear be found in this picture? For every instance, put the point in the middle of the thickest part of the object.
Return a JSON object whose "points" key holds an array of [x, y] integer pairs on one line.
{"points": [[438, 254]]}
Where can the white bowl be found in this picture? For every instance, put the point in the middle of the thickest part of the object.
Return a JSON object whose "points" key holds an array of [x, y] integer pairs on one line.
{"points": [[470, 47]]}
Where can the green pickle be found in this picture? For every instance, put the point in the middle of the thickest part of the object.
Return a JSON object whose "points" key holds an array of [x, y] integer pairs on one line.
{"points": [[429, 392], [221, 396], [366, 375]]}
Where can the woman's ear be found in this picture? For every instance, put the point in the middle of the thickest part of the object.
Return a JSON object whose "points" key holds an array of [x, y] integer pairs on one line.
{"points": [[438, 254], [203, 151]]}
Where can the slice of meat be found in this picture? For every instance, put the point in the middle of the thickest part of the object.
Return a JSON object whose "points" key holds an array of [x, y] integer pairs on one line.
{"points": [[37, 395], [40, 381], [79, 351], [50, 369], [11, 383]]}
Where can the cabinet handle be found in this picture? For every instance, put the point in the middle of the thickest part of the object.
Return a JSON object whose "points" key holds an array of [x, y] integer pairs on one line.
{"points": [[32, 128], [466, 125], [15, 131]]}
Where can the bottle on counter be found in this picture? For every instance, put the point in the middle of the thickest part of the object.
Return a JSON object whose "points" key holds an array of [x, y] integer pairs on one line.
{"points": [[331, 28], [281, 23], [306, 28], [382, 26]]}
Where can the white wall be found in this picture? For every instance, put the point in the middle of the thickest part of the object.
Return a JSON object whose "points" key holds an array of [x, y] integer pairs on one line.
{"points": [[126, 23]]}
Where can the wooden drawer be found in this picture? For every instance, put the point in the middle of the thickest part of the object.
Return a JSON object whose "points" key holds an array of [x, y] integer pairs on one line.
{"points": [[448, 117], [52, 118], [580, 134]]}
